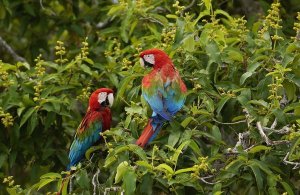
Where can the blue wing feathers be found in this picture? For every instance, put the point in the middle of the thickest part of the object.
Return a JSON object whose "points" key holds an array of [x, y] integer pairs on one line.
{"points": [[81, 145]]}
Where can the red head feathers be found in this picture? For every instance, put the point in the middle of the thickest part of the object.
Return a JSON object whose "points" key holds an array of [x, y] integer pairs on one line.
{"points": [[100, 98], [155, 58]]}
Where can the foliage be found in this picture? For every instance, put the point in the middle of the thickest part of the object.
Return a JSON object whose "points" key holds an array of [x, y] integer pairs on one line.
{"points": [[238, 132]]}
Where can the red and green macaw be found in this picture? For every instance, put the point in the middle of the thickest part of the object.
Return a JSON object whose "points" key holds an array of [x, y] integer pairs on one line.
{"points": [[97, 119], [163, 89]]}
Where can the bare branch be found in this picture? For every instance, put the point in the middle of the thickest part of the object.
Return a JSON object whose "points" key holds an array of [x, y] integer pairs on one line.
{"points": [[189, 6], [266, 138], [207, 182], [233, 123], [48, 9], [283, 130], [71, 183], [262, 134], [113, 189], [274, 124], [286, 161], [95, 181], [105, 23], [9, 50], [241, 142]]}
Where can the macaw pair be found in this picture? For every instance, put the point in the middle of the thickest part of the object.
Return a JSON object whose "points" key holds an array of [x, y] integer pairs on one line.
{"points": [[162, 88]]}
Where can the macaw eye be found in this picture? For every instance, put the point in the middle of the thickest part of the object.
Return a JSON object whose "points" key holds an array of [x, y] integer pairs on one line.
{"points": [[149, 59], [110, 98], [102, 97]]}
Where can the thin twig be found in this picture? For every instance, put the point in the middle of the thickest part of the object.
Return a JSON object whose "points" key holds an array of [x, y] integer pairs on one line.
{"points": [[113, 189], [95, 181], [104, 24], [241, 142], [189, 6], [263, 135], [283, 130], [207, 182], [42, 6], [71, 184], [152, 19], [9, 50], [266, 138], [233, 123], [274, 124], [286, 161]]}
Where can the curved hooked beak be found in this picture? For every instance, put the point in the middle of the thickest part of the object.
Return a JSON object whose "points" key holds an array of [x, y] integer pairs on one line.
{"points": [[110, 99]]}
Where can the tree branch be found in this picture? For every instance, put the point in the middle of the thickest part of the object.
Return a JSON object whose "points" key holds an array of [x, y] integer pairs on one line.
{"points": [[113, 189], [286, 161], [266, 138], [189, 6], [233, 123], [207, 182], [9, 50]]}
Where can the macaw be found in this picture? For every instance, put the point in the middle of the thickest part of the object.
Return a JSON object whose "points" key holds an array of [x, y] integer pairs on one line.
{"points": [[163, 89], [97, 119]]}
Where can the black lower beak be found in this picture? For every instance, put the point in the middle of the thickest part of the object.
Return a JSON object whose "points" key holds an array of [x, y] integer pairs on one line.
{"points": [[147, 64]]}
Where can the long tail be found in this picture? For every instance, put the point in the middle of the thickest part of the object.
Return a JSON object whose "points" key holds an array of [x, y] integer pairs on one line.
{"points": [[150, 132]]}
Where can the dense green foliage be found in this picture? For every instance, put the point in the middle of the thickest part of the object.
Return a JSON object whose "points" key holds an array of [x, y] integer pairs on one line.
{"points": [[238, 133]]}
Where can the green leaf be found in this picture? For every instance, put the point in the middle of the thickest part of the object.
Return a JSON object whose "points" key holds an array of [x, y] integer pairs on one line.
{"points": [[262, 165], [244, 77], [258, 176], [146, 186], [51, 175], [83, 179], [221, 103], [190, 169], [86, 69], [194, 146], [189, 43], [186, 121], [287, 188], [295, 144], [164, 21], [91, 150], [109, 161], [3, 158], [259, 148], [174, 137], [144, 164], [179, 36], [235, 55], [216, 133], [121, 169], [129, 182], [44, 182], [65, 183], [224, 13], [26, 116], [165, 168], [178, 151], [207, 4], [213, 52], [32, 123], [89, 61], [124, 85]]}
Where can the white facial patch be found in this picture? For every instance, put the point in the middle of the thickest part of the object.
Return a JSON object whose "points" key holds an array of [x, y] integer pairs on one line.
{"points": [[110, 99], [102, 97], [149, 58], [142, 62]]}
